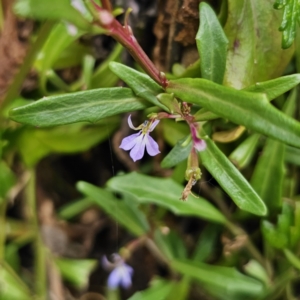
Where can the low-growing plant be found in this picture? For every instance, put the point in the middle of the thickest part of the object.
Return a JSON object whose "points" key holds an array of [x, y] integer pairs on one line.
{"points": [[230, 127]]}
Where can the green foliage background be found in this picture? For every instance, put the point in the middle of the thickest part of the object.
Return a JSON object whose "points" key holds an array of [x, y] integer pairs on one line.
{"points": [[246, 101]]}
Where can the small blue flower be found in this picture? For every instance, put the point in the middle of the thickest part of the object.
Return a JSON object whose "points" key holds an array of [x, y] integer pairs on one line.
{"points": [[121, 273], [139, 141]]}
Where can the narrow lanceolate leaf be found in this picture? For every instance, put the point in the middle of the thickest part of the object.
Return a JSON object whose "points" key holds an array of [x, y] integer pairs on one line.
{"points": [[269, 171], [54, 9], [275, 87], [292, 258], [212, 45], [142, 85], [166, 193], [159, 289], [204, 114], [271, 88], [177, 154], [226, 279], [127, 215], [13, 286], [268, 175], [231, 180], [76, 271], [89, 106], [243, 154], [255, 52], [248, 109]]}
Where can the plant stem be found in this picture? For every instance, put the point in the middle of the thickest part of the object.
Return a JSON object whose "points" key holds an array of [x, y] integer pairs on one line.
{"points": [[154, 249], [40, 259], [1, 16], [3, 207], [124, 35], [15, 87], [106, 5]]}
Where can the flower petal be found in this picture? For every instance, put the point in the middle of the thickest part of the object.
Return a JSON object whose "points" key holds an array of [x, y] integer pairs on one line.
{"points": [[126, 272], [114, 278], [107, 265], [130, 123], [130, 141], [151, 145], [153, 125], [199, 144], [129, 269], [138, 150]]}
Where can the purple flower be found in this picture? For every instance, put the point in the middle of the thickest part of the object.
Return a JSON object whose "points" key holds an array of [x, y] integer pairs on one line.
{"points": [[198, 144], [139, 141], [121, 273]]}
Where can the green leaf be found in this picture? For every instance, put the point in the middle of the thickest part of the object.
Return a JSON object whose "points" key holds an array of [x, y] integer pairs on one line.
{"points": [[275, 87], [268, 175], [55, 10], [142, 85], [255, 52], [180, 290], [283, 235], [158, 290], [248, 109], [12, 287], [103, 76], [271, 88], [174, 131], [179, 153], [71, 56], [286, 219], [231, 180], [292, 155], [276, 239], [89, 106], [212, 45], [75, 208], [243, 154], [289, 21], [292, 258], [192, 71], [294, 230], [166, 193], [36, 143], [58, 40], [76, 271], [207, 243], [228, 279], [256, 270], [12, 256], [204, 114], [126, 214], [170, 244], [7, 179]]}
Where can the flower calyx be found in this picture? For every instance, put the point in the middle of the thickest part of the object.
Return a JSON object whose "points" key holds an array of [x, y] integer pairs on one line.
{"points": [[192, 174]]}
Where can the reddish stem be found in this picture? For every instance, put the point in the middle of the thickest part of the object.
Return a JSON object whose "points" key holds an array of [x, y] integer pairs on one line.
{"points": [[106, 5], [124, 35]]}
